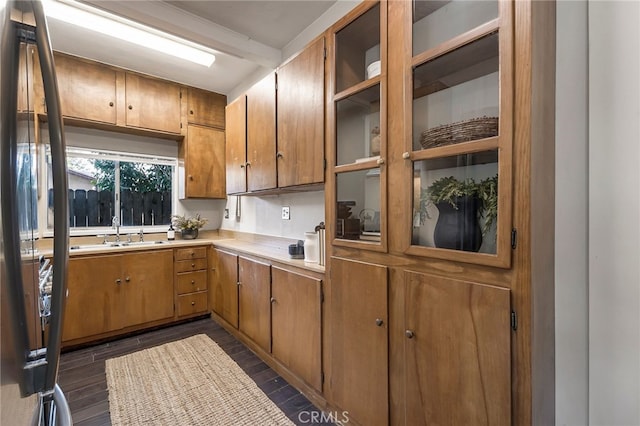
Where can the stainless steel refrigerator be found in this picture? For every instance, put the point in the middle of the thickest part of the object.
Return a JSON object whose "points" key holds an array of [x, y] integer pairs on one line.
{"points": [[33, 290]]}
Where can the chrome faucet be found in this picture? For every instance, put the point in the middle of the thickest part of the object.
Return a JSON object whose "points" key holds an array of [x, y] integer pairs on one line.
{"points": [[115, 224]]}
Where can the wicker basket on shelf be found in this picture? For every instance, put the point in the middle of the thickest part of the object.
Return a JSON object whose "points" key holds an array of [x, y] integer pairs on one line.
{"points": [[462, 131]]}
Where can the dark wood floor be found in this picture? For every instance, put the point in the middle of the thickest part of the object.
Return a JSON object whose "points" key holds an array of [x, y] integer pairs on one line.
{"points": [[82, 372]]}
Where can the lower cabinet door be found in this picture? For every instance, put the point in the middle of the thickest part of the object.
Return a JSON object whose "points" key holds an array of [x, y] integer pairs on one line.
{"points": [[192, 303], [295, 323], [457, 352], [223, 285], [358, 354], [94, 287], [254, 297], [148, 282]]}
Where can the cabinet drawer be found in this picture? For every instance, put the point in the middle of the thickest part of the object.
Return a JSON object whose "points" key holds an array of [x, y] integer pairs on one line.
{"points": [[191, 265], [192, 303], [191, 253], [190, 282]]}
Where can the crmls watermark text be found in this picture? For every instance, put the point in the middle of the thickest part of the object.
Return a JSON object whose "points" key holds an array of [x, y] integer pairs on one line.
{"points": [[312, 417]]}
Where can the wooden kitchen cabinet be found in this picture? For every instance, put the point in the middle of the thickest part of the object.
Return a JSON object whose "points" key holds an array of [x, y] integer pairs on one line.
{"points": [[296, 323], [358, 351], [357, 133], [87, 89], [254, 304], [461, 380], [206, 108], [95, 288], [191, 282], [300, 117], [113, 292], [203, 155], [152, 103], [261, 135], [26, 84], [223, 285], [236, 145], [148, 286]]}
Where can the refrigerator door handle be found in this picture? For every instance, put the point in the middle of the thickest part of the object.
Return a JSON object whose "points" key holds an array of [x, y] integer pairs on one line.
{"points": [[60, 200]]}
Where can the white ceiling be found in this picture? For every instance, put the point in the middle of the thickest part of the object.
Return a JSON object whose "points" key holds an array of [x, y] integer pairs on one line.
{"points": [[249, 36]]}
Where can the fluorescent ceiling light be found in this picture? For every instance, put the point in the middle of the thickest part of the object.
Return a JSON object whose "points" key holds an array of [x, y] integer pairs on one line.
{"points": [[106, 23]]}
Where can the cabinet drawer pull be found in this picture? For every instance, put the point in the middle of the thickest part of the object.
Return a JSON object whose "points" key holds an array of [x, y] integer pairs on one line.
{"points": [[127, 279], [118, 281], [410, 334], [273, 300], [279, 155], [193, 303], [379, 322]]}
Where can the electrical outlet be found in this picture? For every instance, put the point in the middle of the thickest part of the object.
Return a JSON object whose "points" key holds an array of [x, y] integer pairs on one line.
{"points": [[285, 213], [226, 213]]}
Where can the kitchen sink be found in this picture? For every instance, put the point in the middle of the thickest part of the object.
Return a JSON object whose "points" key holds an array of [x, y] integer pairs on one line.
{"points": [[114, 245]]}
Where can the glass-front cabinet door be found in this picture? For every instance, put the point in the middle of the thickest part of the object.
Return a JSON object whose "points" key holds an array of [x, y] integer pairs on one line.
{"points": [[461, 126], [357, 128]]}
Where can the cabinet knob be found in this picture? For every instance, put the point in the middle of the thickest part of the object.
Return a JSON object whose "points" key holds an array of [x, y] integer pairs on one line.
{"points": [[130, 106], [247, 163], [409, 333], [190, 177], [193, 282], [193, 265], [242, 166], [273, 300], [110, 104], [118, 281], [193, 303], [127, 279], [191, 111], [406, 155], [238, 283], [379, 322], [380, 161], [193, 253], [279, 155]]}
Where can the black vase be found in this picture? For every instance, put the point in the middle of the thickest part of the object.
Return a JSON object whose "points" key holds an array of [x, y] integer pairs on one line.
{"points": [[189, 234], [458, 227]]}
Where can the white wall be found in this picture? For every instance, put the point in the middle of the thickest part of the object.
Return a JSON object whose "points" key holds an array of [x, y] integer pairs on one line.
{"points": [[571, 263], [614, 212], [263, 215]]}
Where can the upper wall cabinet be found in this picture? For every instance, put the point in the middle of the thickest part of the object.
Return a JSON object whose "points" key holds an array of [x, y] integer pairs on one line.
{"points": [[300, 113], [357, 122], [203, 153], [236, 145], [152, 104], [206, 108], [261, 135], [87, 89], [461, 77]]}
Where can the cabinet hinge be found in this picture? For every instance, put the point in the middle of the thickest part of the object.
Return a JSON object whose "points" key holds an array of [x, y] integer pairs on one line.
{"points": [[514, 238], [514, 320]]}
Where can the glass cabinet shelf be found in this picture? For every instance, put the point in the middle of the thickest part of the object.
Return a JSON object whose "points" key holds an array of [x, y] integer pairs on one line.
{"points": [[435, 22], [358, 127], [455, 202], [456, 95], [358, 205], [357, 55]]}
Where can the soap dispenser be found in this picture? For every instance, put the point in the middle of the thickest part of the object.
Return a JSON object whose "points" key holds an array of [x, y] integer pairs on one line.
{"points": [[171, 233]]}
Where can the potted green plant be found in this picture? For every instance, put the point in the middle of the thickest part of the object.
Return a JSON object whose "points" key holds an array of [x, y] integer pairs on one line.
{"points": [[461, 204], [188, 226]]}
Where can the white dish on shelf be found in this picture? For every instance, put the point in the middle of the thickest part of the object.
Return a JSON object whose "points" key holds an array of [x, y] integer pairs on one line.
{"points": [[373, 69]]}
